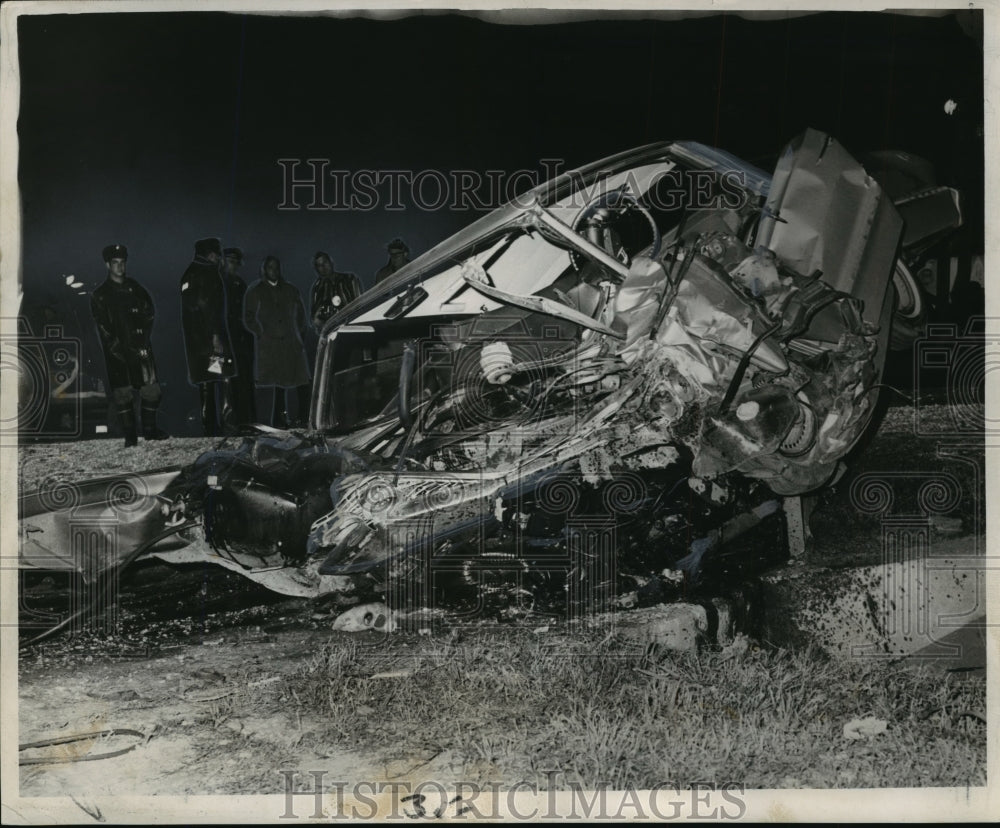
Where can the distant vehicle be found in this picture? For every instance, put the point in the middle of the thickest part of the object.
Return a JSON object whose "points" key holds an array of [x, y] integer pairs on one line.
{"points": [[617, 375]]}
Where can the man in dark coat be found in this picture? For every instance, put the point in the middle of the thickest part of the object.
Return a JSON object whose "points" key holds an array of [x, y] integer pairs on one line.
{"points": [[399, 255], [273, 312], [331, 291], [241, 385], [123, 311], [206, 335]]}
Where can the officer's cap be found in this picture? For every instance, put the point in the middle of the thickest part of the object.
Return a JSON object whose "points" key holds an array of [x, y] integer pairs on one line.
{"points": [[203, 247], [115, 251]]}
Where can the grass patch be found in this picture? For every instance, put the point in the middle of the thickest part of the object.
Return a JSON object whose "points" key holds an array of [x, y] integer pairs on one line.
{"points": [[510, 706]]}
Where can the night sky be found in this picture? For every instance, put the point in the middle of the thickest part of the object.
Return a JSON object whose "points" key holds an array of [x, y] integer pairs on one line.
{"points": [[156, 129]]}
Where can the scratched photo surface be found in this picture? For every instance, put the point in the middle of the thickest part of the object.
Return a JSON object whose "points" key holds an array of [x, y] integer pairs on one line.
{"points": [[495, 414]]}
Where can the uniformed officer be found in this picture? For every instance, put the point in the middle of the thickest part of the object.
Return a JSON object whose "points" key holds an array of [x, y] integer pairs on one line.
{"points": [[206, 335], [124, 313]]}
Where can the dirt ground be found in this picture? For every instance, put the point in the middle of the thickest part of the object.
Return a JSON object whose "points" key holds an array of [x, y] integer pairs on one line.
{"points": [[177, 699]]}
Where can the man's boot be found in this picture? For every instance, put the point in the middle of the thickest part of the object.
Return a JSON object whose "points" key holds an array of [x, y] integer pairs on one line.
{"points": [[126, 416], [150, 431], [207, 392], [279, 410], [229, 424]]}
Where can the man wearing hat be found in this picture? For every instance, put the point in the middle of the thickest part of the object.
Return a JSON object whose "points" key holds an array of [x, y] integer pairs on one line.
{"points": [[206, 336], [331, 291], [241, 385], [399, 255], [123, 311]]}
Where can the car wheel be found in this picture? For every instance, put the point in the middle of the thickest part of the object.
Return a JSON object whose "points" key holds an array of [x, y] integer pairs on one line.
{"points": [[910, 313]]}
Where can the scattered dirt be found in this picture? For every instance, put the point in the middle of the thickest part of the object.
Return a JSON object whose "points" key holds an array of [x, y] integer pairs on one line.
{"points": [[918, 461], [178, 699]]}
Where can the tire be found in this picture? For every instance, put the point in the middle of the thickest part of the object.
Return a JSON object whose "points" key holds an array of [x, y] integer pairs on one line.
{"points": [[910, 313]]}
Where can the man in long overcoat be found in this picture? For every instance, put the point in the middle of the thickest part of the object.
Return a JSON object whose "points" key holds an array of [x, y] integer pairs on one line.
{"points": [[273, 312], [123, 311], [206, 335]]}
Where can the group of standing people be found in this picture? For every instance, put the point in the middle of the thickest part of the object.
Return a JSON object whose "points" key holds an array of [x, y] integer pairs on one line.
{"points": [[236, 338]]}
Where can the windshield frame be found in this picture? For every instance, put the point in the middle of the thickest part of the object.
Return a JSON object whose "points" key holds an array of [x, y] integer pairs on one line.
{"points": [[529, 212]]}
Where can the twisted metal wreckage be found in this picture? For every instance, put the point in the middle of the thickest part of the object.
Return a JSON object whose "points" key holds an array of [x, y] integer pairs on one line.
{"points": [[613, 377]]}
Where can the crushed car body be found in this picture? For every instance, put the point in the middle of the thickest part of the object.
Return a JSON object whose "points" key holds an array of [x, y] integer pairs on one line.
{"points": [[614, 376]]}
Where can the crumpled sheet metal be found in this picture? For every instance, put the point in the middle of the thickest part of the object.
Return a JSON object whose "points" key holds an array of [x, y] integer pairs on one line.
{"points": [[708, 324], [706, 311], [758, 273], [711, 310], [676, 367], [682, 367], [302, 582], [832, 217], [397, 510], [90, 527], [637, 302], [637, 306]]}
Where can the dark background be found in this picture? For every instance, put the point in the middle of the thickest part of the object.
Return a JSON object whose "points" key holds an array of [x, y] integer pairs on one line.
{"points": [[156, 129]]}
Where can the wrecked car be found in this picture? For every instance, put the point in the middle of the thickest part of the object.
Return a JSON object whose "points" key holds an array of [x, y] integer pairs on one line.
{"points": [[618, 376]]}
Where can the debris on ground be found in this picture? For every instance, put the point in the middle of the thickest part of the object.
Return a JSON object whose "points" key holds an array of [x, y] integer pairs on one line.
{"points": [[866, 728], [366, 617], [677, 627], [736, 648]]}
